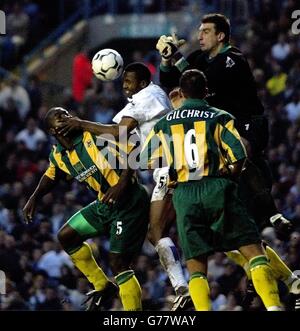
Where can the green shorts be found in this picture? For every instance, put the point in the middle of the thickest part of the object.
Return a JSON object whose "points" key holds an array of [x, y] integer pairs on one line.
{"points": [[210, 217], [126, 223]]}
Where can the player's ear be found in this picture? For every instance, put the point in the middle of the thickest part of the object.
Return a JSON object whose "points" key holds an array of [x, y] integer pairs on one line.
{"points": [[143, 84], [221, 36], [180, 93], [52, 131], [206, 92]]}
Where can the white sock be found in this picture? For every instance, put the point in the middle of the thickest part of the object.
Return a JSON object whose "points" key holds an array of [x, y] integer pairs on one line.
{"points": [[169, 259], [275, 308]]}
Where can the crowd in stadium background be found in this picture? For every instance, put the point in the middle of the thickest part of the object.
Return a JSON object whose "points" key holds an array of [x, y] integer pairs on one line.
{"points": [[40, 275]]}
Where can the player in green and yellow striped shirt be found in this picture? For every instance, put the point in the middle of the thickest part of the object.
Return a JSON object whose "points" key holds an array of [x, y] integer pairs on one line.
{"points": [[206, 156], [77, 155]]}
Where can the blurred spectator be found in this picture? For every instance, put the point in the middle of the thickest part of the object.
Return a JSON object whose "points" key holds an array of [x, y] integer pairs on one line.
{"points": [[277, 83], [53, 260], [82, 75], [32, 135], [51, 302], [293, 108], [78, 295], [231, 304], [18, 25], [229, 280], [216, 265], [218, 299], [281, 49], [13, 91], [35, 94]]}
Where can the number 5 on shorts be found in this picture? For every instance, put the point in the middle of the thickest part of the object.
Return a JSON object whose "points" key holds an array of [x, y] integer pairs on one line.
{"points": [[119, 227]]}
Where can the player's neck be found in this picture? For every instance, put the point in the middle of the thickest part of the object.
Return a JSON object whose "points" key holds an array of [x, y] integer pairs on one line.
{"points": [[215, 51], [66, 142]]}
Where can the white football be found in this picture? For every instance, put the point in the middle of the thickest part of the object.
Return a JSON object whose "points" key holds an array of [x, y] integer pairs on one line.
{"points": [[107, 64]]}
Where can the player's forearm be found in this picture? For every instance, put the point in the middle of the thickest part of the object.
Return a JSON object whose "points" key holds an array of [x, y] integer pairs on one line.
{"points": [[170, 74], [126, 175], [44, 187], [98, 128]]}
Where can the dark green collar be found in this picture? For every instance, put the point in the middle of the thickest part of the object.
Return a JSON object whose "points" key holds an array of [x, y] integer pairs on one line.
{"points": [[194, 102], [225, 48], [77, 140]]}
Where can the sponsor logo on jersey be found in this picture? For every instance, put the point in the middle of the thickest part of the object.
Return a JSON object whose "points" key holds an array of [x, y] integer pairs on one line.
{"points": [[87, 173], [89, 144], [229, 62]]}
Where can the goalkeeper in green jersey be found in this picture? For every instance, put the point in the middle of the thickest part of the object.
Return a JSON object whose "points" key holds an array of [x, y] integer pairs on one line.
{"points": [[123, 218], [206, 156]]}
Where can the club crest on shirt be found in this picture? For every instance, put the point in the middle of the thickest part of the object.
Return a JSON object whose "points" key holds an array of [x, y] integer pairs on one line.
{"points": [[229, 62], [88, 143]]}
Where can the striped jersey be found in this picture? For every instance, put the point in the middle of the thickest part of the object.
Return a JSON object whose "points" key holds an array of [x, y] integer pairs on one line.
{"points": [[195, 140], [99, 165]]}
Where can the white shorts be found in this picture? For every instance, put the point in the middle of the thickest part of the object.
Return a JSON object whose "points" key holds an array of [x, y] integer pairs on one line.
{"points": [[161, 177]]}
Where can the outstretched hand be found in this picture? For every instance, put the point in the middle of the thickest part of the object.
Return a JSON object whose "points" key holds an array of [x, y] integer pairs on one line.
{"points": [[28, 210], [177, 42], [168, 45], [68, 124]]}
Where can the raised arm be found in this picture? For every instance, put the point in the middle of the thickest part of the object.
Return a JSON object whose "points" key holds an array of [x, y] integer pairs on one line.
{"points": [[45, 186], [126, 125]]}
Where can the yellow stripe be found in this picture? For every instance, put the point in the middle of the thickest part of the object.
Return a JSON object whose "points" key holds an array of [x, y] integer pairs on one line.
{"points": [[147, 141], [100, 195], [50, 172], [227, 148], [180, 163], [74, 159], [166, 148], [231, 128], [158, 152], [217, 138], [200, 129], [60, 162], [99, 160]]}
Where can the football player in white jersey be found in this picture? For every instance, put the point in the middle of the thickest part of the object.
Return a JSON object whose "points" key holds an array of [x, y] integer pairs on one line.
{"points": [[147, 104]]}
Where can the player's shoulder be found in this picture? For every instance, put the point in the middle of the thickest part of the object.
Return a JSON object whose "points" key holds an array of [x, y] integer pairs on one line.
{"points": [[163, 122], [195, 55], [234, 54], [53, 151], [222, 115], [148, 94]]}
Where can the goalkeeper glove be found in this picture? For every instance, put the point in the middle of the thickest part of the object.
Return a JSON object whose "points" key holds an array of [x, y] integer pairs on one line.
{"points": [[168, 45]]}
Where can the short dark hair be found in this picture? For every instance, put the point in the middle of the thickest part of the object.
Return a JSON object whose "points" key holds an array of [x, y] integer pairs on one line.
{"points": [[193, 84], [221, 22], [48, 118], [140, 69]]}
